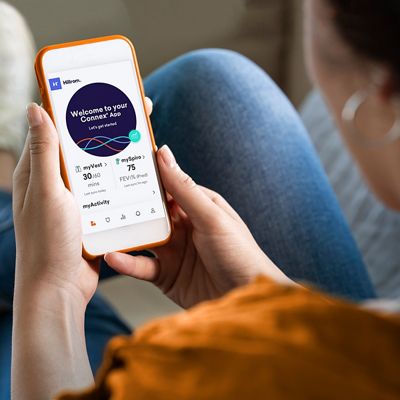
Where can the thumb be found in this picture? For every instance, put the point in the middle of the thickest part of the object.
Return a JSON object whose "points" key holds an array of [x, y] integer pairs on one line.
{"points": [[201, 210], [43, 147]]}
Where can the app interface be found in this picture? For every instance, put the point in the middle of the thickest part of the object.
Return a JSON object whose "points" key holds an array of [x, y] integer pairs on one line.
{"points": [[106, 145]]}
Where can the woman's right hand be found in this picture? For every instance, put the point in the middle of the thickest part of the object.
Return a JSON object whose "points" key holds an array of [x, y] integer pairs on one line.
{"points": [[211, 250]]}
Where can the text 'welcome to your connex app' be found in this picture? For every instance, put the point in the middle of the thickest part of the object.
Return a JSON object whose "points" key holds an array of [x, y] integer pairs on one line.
{"points": [[107, 145]]}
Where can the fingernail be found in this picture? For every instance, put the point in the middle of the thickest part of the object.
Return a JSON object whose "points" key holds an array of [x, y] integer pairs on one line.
{"points": [[167, 156], [34, 115]]}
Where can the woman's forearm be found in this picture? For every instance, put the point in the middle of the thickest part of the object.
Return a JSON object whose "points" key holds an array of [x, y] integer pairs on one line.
{"points": [[49, 350]]}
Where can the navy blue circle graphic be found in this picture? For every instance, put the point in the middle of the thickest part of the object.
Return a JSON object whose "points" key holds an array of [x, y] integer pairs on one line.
{"points": [[99, 119]]}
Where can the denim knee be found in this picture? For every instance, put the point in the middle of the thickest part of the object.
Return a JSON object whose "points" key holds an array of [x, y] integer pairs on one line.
{"points": [[214, 82], [223, 63], [200, 74]]}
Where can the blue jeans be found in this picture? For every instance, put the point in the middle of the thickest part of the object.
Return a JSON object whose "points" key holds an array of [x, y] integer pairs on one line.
{"points": [[235, 132]]}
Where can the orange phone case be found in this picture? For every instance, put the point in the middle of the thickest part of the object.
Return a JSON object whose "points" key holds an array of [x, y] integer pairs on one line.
{"points": [[47, 106]]}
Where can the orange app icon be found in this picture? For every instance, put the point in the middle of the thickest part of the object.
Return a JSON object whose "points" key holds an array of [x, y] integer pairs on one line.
{"points": [[92, 223]]}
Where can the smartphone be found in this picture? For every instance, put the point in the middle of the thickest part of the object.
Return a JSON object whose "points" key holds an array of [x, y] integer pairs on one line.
{"points": [[93, 91]]}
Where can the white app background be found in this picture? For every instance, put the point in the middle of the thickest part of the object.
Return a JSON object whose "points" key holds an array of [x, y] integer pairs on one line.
{"points": [[118, 190]]}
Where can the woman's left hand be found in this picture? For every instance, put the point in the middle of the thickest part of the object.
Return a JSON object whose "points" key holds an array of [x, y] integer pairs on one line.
{"points": [[47, 220], [53, 282]]}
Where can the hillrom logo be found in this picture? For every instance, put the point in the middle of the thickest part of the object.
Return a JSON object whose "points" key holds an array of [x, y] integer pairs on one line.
{"points": [[55, 84]]}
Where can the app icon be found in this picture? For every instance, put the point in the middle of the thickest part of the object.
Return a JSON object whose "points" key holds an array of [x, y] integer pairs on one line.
{"points": [[92, 223], [78, 169], [55, 84], [134, 135]]}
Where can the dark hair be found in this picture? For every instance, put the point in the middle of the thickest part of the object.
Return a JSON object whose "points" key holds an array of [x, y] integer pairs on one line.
{"points": [[371, 28]]}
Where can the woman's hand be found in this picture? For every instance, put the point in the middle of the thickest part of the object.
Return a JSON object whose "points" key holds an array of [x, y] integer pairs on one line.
{"points": [[47, 221], [211, 250], [53, 283]]}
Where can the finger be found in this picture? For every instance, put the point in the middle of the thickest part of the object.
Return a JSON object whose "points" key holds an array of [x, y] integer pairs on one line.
{"points": [[149, 105], [169, 197], [175, 208], [176, 211], [44, 149], [139, 267], [196, 204], [221, 202], [21, 176]]}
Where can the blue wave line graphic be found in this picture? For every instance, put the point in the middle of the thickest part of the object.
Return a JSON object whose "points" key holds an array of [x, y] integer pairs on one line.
{"points": [[108, 140]]}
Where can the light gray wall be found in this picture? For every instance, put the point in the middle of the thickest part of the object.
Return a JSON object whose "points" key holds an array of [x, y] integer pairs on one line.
{"points": [[163, 29]]}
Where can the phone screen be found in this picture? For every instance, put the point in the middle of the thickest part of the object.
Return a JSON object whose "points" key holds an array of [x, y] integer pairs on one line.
{"points": [[106, 145]]}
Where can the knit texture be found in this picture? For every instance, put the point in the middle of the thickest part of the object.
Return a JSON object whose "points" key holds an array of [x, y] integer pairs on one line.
{"points": [[262, 341]]}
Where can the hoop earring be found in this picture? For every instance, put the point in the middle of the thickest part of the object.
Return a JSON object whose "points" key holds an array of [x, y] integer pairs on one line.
{"points": [[349, 114]]}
